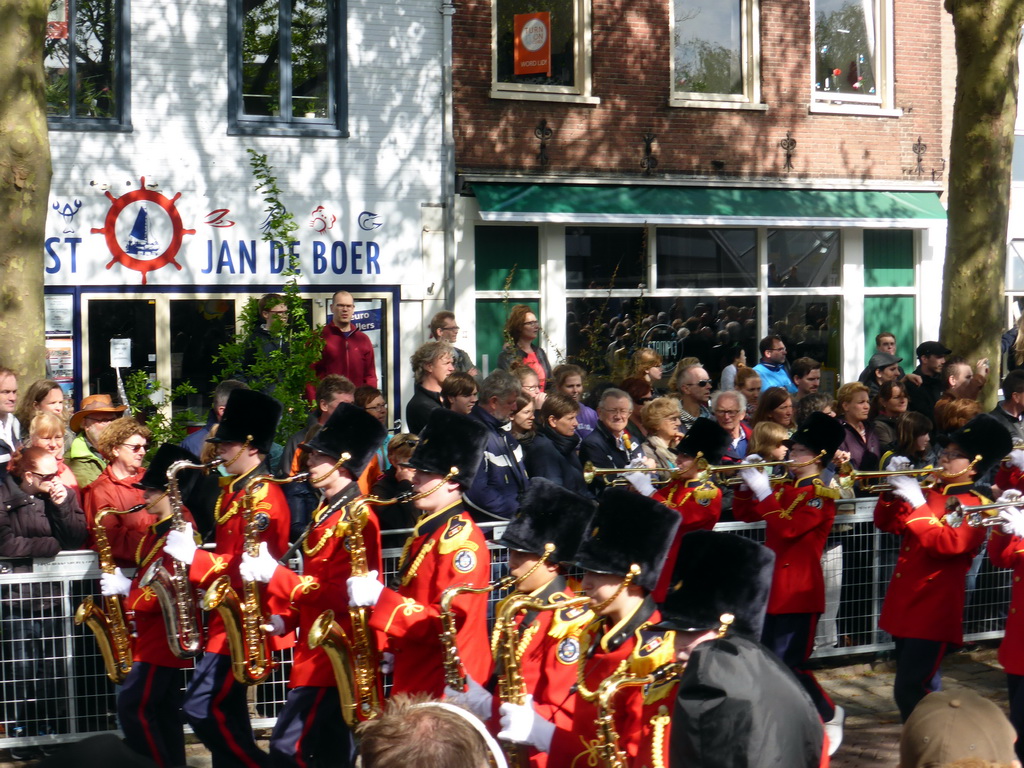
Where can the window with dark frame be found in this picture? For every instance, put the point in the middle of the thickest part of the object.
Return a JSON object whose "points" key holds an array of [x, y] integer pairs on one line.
{"points": [[287, 67], [86, 57]]}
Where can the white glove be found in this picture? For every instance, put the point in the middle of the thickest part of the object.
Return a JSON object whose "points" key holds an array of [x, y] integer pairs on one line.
{"points": [[908, 489], [476, 699], [755, 480], [898, 464], [274, 625], [636, 463], [364, 590], [115, 583], [754, 458], [387, 663], [1016, 458], [522, 725], [1013, 521], [1010, 494], [641, 483], [181, 545], [260, 568]]}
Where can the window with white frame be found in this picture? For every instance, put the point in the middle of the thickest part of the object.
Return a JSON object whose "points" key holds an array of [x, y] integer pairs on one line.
{"points": [[852, 52], [287, 67], [540, 49], [715, 52]]}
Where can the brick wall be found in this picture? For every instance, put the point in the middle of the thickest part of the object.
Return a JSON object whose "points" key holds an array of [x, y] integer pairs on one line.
{"points": [[631, 76]]}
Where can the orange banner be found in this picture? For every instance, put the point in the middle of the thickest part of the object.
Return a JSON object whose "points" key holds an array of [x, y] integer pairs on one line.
{"points": [[533, 43]]}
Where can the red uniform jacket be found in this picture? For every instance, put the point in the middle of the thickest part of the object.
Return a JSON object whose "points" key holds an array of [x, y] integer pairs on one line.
{"points": [[150, 643], [1008, 477], [446, 549], [1007, 551], [799, 517], [631, 646], [124, 532], [323, 585], [699, 503], [549, 648], [925, 599], [273, 518]]}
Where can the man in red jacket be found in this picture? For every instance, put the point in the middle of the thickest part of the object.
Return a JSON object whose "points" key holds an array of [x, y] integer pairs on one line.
{"points": [[924, 606], [347, 350], [446, 549]]}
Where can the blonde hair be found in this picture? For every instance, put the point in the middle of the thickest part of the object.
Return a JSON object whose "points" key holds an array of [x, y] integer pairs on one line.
{"points": [[766, 436], [45, 425], [644, 359], [846, 393], [660, 408]]}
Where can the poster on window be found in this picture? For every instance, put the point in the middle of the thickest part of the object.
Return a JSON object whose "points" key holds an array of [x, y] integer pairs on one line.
{"points": [[533, 43]]}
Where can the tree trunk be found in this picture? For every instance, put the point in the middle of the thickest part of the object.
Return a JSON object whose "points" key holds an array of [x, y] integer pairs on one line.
{"points": [[24, 184], [981, 149]]}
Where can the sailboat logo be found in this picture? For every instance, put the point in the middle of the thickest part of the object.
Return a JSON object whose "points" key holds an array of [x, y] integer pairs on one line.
{"points": [[142, 252]]}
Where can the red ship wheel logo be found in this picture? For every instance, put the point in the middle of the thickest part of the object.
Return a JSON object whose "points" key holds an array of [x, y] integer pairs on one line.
{"points": [[139, 240]]}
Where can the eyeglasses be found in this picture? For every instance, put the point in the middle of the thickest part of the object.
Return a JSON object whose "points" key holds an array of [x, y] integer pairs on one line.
{"points": [[278, 311], [380, 407], [617, 411], [720, 412], [100, 419], [135, 447], [532, 322], [701, 383], [451, 328], [45, 478], [531, 387], [952, 455]]}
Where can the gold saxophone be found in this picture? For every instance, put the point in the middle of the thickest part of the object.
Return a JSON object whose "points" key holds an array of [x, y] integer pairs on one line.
{"points": [[607, 736], [245, 621], [356, 660], [511, 686], [454, 674], [182, 618], [108, 623]]}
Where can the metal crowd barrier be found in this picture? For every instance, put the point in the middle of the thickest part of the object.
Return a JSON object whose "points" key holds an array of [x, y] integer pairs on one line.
{"points": [[55, 687]]}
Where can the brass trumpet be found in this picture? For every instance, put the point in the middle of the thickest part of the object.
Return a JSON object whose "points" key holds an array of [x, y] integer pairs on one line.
{"points": [[848, 476], [978, 515], [590, 472]]}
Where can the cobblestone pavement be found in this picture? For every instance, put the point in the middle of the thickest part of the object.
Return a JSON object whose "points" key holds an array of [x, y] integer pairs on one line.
{"points": [[864, 688]]}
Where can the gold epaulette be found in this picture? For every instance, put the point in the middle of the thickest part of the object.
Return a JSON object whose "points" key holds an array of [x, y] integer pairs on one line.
{"points": [[823, 491], [982, 497], [456, 536], [568, 621], [653, 649], [706, 491], [664, 689]]}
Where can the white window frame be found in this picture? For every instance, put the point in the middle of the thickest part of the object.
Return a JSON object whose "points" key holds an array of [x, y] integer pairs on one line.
{"points": [[882, 104], [581, 93], [750, 59]]}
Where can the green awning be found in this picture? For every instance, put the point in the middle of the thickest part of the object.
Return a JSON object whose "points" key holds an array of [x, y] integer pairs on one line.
{"points": [[605, 204]]}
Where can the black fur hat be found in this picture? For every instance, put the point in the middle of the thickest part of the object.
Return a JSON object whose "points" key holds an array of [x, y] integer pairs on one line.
{"points": [[155, 478], [549, 513], [820, 432], [450, 440], [719, 573], [350, 430], [983, 436], [249, 417], [706, 438], [628, 528]]}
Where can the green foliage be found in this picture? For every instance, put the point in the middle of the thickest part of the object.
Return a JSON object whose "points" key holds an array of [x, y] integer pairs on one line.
{"points": [[279, 362], [147, 398]]}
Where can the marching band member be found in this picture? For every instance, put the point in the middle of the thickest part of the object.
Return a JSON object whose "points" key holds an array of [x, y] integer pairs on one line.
{"points": [[924, 605], [149, 700], [445, 549], [622, 553], [697, 500], [215, 702], [310, 728], [735, 703], [548, 646], [798, 516]]}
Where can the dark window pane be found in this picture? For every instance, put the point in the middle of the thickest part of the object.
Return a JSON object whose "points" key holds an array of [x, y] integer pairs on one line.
{"points": [[310, 78], [80, 55], [809, 325], [133, 319], [563, 41], [261, 76], [845, 60], [707, 258], [198, 329], [603, 333], [807, 258], [708, 43], [605, 257]]}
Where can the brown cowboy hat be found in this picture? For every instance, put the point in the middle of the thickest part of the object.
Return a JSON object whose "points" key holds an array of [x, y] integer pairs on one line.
{"points": [[93, 405]]}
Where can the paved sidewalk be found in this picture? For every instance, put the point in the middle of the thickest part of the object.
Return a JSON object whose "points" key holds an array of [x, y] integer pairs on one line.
{"points": [[872, 733]]}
